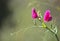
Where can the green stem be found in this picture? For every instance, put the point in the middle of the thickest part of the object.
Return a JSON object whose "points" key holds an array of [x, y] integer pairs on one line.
{"points": [[56, 37], [53, 33]]}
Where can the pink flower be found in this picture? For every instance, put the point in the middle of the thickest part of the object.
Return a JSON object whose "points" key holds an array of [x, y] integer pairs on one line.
{"points": [[34, 13], [47, 16]]}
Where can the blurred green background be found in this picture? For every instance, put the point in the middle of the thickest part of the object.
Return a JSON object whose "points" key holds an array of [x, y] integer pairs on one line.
{"points": [[18, 26]]}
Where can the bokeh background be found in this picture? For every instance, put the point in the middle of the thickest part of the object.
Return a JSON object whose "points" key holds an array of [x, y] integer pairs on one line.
{"points": [[16, 23]]}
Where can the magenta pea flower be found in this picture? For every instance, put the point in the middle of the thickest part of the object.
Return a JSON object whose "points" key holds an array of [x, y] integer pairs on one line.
{"points": [[34, 13], [47, 16]]}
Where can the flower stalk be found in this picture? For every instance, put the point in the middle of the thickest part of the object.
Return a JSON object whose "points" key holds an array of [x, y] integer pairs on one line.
{"points": [[50, 30], [53, 33], [47, 18]]}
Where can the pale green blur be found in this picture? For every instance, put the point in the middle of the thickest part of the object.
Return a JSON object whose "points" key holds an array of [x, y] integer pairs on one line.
{"points": [[19, 26]]}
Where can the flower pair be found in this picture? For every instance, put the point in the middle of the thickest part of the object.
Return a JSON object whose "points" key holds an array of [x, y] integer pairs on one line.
{"points": [[47, 15]]}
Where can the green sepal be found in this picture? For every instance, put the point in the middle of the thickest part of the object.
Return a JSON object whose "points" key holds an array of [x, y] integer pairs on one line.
{"points": [[43, 24]]}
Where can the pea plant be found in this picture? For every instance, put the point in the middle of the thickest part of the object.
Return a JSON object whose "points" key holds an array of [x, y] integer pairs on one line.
{"points": [[47, 17]]}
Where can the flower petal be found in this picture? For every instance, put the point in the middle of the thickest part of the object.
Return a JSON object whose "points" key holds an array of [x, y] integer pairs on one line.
{"points": [[47, 16], [34, 13]]}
